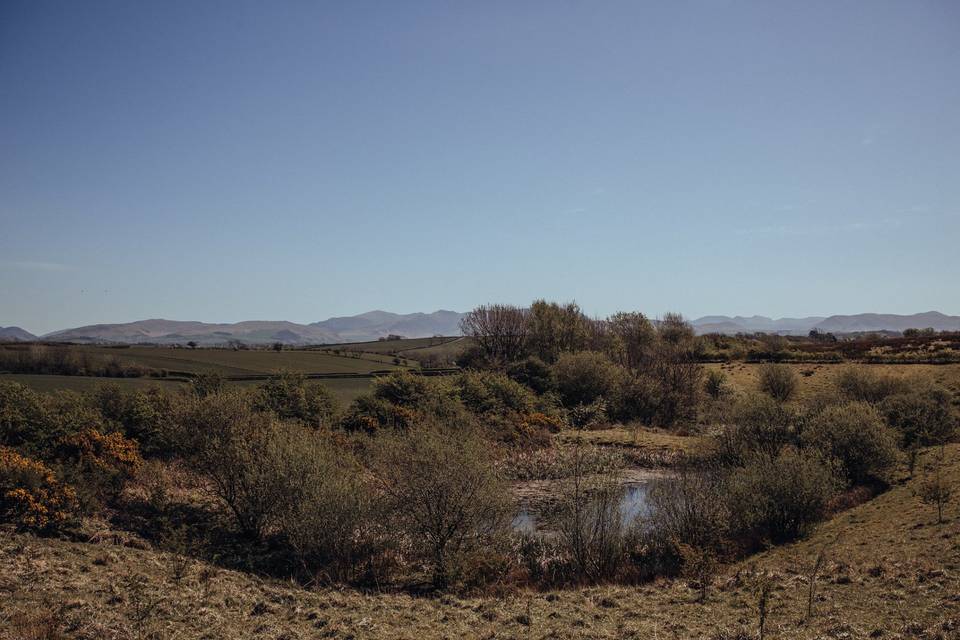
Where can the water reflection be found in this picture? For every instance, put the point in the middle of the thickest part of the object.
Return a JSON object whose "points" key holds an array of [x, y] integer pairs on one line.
{"points": [[632, 506]]}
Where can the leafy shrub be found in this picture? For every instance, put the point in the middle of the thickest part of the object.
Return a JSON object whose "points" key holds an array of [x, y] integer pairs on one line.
{"points": [[443, 493], [636, 397], [205, 384], [484, 392], [778, 381], [715, 383], [291, 397], [534, 373], [99, 463], [22, 415], [923, 417], [585, 377], [403, 389], [861, 384], [325, 507], [759, 426], [30, 494], [778, 499], [856, 436]]}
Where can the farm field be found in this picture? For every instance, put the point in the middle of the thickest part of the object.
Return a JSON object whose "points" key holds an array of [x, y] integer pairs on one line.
{"points": [[228, 362], [47, 383], [444, 349]]}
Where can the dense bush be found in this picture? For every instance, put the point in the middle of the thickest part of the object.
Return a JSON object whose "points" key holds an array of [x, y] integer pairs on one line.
{"points": [[862, 384], [238, 450], [533, 373], [443, 494], [31, 496], [402, 389], [778, 381], [856, 436], [584, 377], [291, 397], [759, 426], [485, 392], [326, 508], [22, 416], [778, 499], [98, 464], [923, 417]]}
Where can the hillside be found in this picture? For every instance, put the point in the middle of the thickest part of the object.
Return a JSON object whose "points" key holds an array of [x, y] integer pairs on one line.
{"points": [[833, 324], [15, 334], [890, 572], [368, 326]]}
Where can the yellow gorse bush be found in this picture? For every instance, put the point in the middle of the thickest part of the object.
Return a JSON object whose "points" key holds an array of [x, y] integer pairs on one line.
{"points": [[30, 494], [110, 452]]}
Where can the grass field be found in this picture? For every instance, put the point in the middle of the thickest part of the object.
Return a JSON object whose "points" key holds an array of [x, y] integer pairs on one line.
{"points": [[228, 362], [819, 378], [890, 572], [444, 349], [345, 389]]}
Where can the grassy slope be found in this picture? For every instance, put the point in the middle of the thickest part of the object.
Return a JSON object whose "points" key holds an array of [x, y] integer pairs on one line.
{"points": [[891, 572]]}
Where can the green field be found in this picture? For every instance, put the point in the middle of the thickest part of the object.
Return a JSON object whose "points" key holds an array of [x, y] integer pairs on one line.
{"points": [[345, 389], [228, 362], [87, 383], [443, 349]]}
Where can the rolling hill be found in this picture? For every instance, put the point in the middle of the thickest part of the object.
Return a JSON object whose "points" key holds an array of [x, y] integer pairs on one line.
{"points": [[367, 326], [15, 334], [833, 324]]}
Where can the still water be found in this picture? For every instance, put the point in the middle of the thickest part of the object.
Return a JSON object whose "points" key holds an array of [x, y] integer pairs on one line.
{"points": [[633, 505]]}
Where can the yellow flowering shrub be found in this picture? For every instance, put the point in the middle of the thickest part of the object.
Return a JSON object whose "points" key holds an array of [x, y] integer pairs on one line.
{"points": [[111, 453], [30, 494], [99, 464]]}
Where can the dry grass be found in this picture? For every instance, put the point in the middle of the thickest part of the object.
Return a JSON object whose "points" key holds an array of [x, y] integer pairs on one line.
{"points": [[890, 572], [820, 378]]}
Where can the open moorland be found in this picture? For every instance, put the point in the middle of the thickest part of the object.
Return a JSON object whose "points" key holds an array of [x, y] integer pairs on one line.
{"points": [[888, 570], [571, 477]]}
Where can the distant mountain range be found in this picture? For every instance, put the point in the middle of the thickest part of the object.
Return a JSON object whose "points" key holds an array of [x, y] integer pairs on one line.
{"points": [[15, 334], [834, 324], [364, 327], [379, 324]]}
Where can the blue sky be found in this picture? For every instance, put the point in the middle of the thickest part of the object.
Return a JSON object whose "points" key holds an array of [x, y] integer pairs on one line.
{"points": [[297, 160]]}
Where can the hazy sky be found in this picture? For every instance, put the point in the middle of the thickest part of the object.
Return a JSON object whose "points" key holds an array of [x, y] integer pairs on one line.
{"points": [[296, 160]]}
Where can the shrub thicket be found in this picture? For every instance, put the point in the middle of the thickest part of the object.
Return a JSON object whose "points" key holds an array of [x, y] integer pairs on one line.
{"points": [[291, 397], [862, 384], [857, 438], [30, 494], [584, 377], [443, 494], [923, 417], [778, 381], [778, 499], [759, 426]]}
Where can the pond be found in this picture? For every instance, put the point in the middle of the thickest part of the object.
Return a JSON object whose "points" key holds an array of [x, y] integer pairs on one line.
{"points": [[535, 496]]}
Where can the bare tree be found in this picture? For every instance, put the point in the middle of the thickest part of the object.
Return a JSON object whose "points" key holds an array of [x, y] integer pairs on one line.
{"points": [[500, 330]]}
